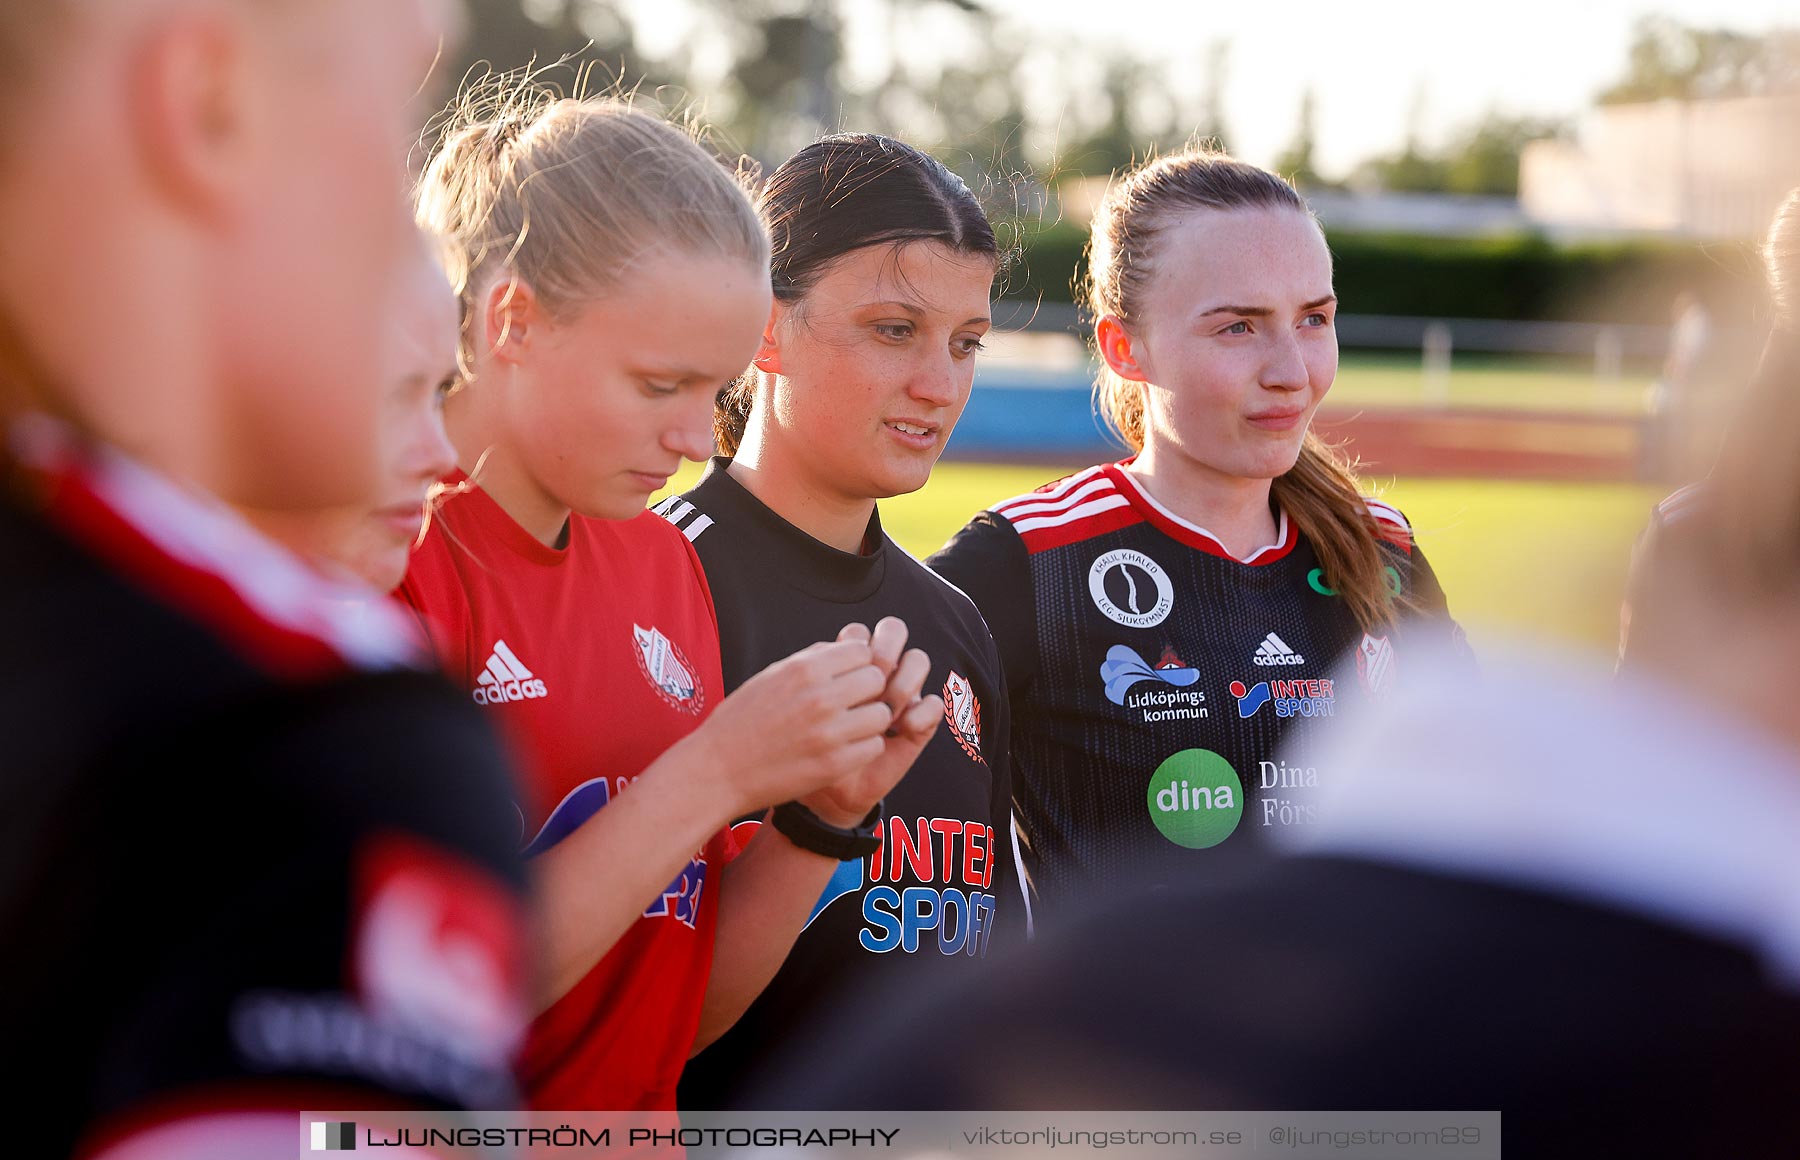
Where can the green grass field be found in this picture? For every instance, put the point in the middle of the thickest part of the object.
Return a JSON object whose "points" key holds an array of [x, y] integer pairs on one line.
{"points": [[1536, 558], [1504, 382]]}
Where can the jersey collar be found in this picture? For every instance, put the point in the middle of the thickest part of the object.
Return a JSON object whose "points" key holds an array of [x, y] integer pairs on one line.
{"points": [[1193, 535], [198, 555], [809, 564], [458, 488]]}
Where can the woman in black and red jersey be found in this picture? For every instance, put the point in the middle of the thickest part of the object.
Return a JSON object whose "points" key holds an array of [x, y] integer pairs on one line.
{"points": [[1168, 621], [883, 262], [255, 860]]}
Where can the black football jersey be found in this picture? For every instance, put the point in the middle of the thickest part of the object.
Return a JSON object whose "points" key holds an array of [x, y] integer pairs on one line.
{"points": [[245, 869], [1165, 695], [932, 901]]}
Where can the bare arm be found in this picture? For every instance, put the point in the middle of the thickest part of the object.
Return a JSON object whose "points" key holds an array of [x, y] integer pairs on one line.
{"points": [[593, 885], [806, 721], [770, 890]]}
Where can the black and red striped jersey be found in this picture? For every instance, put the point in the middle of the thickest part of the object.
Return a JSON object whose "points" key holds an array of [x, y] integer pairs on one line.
{"points": [[255, 861], [1165, 695]]}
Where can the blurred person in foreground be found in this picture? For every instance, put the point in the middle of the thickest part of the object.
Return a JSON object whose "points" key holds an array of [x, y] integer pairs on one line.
{"points": [[1646, 611], [1535, 889], [1686, 396], [255, 861], [370, 542]]}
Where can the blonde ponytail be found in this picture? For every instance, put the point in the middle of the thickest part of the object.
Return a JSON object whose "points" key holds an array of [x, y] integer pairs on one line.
{"points": [[1321, 494], [566, 194]]}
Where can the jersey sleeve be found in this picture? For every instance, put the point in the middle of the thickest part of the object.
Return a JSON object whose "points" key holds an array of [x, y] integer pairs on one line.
{"points": [[1428, 618], [354, 898], [723, 848], [693, 557], [988, 561], [1426, 592], [1011, 891], [434, 593], [1646, 607]]}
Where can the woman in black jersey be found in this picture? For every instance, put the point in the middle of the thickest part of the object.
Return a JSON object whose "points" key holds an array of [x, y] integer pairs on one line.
{"points": [[1169, 621], [255, 860], [883, 263]]}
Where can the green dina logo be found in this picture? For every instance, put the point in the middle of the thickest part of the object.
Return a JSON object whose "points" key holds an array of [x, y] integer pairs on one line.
{"points": [[1195, 798]]}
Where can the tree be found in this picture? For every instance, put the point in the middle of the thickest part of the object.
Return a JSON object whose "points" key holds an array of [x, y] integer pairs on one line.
{"points": [[981, 115], [1135, 128], [1296, 163], [1668, 59], [1481, 159], [505, 36], [1485, 160], [1410, 170], [784, 86], [1212, 108]]}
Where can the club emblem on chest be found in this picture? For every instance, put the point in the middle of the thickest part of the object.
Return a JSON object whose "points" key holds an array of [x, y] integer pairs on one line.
{"points": [[1375, 663], [667, 670], [962, 712]]}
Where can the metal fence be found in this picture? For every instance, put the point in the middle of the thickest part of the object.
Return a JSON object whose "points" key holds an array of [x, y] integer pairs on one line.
{"points": [[1609, 348]]}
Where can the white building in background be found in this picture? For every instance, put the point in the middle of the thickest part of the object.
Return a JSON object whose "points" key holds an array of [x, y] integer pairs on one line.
{"points": [[1448, 214], [1706, 169], [1444, 214]]}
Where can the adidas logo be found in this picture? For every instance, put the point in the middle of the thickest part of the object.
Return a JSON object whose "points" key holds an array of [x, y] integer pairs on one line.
{"points": [[506, 679], [1274, 651]]}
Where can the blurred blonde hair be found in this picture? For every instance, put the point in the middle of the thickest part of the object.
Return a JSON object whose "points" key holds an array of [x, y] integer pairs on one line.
{"points": [[565, 194], [1781, 261], [1751, 546], [1320, 493]]}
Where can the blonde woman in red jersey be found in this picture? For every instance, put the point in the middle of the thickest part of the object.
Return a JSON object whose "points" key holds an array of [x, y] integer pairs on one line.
{"points": [[614, 276]]}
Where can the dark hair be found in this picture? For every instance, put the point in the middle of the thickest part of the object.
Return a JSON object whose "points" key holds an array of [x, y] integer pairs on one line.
{"points": [[842, 193]]}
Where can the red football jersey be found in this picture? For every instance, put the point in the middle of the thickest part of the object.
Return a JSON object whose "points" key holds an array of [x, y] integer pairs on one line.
{"points": [[594, 658]]}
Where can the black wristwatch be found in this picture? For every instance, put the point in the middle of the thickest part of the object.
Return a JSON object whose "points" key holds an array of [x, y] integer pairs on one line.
{"points": [[814, 834]]}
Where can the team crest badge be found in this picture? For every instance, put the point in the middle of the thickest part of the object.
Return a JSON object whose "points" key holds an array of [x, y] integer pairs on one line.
{"points": [[667, 670], [1375, 663], [962, 710]]}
